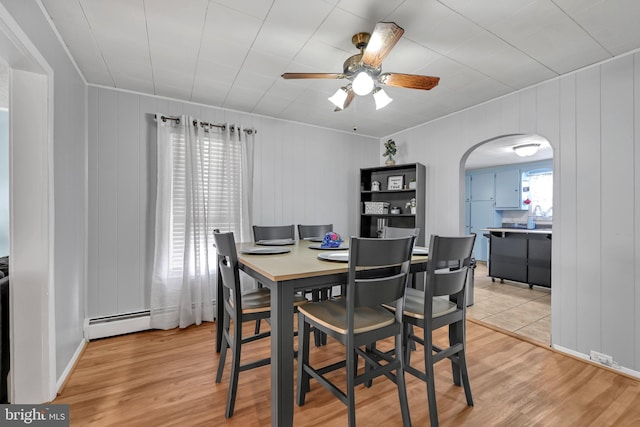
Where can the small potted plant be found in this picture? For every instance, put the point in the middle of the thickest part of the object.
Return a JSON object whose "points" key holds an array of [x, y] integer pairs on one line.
{"points": [[412, 183], [390, 151], [411, 205]]}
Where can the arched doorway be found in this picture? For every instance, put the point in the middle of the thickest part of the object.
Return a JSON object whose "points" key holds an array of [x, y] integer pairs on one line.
{"points": [[505, 190]]}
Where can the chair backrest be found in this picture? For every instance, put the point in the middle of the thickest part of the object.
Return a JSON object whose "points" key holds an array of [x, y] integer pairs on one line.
{"points": [[368, 287], [449, 259], [311, 231], [394, 232], [229, 271], [272, 232]]}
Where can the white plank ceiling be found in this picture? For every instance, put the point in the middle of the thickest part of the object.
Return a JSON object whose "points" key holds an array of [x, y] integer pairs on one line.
{"points": [[231, 53]]}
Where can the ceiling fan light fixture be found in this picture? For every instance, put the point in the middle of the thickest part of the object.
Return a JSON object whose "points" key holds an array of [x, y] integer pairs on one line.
{"points": [[339, 97], [363, 83], [525, 150], [381, 98]]}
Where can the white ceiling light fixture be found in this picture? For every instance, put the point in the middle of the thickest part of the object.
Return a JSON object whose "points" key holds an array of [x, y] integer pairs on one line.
{"points": [[525, 150], [339, 97], [381, 98], [363, 83]]}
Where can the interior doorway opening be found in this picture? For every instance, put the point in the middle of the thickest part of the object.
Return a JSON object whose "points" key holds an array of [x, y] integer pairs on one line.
{"points": [[507, 196], [32, 375]]}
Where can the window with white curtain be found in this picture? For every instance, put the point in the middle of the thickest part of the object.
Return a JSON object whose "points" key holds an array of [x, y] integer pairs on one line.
{"points": [[221, 163], [204, 183]]}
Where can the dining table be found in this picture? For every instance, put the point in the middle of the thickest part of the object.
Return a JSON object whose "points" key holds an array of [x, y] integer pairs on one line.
{"points": [[300, 265]]}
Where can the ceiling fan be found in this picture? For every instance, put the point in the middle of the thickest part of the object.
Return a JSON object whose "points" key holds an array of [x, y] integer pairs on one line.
{"points": [[364, 69]]}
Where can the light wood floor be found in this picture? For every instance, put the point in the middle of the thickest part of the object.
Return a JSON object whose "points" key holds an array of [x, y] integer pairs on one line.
{"points": [[166, 378]]}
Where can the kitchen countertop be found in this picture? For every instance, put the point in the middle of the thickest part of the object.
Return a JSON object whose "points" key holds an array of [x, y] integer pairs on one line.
{"points": [[518, 230]]}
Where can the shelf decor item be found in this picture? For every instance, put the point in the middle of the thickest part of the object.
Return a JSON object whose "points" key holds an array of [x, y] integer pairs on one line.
{"points": [[390, 151], [395, 182], [379, 208], [411, 205], [331, 240], [412, 184]]}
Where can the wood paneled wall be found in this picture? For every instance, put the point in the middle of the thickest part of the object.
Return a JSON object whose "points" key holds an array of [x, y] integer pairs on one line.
{"points": [[303, 174], [592, 119]]}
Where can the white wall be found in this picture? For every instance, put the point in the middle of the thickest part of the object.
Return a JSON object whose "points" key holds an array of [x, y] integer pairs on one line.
{"points": [[592, 119], [303, 174]]}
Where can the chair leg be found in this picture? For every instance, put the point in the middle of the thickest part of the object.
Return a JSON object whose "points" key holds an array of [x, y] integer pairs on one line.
{"points": [[367, 367], [257, 328], [412, 344], [462, 362], [325, 295], [402, 387], [465, 377], [454, 338], [352, 371], [304, 330], [317, 334], [223, 347], [408, 343], [235, 369], [431, 385]]}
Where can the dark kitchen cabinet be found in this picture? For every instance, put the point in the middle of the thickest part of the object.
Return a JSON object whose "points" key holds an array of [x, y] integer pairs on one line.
{"points": [[539, 260], [508, 257], [520, 256]]}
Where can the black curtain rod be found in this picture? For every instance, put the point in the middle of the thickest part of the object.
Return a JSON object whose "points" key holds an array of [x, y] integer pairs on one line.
{"points": [[205, 124]]}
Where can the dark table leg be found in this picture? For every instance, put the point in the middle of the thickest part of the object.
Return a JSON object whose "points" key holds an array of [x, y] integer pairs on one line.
{"points": [[282, 386]]}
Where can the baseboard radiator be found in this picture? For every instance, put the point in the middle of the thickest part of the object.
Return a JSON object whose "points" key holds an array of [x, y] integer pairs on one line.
{"points": [[117, 324], [120, 324]]}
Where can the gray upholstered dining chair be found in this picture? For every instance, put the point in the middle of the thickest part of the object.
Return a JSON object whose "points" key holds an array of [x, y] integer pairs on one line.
{"points": [[273, 232], [441, 304], [392, 232], [317, 231], [310, 231], [378, 272], [239, 307]]}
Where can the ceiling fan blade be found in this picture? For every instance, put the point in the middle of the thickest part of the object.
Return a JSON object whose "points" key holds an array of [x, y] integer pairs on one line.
{"points": [[384, 37], [313, 76], [411, 81], [350, 96]]}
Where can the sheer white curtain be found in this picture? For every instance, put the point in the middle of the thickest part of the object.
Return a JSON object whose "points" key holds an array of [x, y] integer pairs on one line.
{"points": [[204, 183]]}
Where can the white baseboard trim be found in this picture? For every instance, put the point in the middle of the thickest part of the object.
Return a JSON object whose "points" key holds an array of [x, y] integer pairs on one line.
{"points": [[586, 357], [67, 371], [116, 325]]}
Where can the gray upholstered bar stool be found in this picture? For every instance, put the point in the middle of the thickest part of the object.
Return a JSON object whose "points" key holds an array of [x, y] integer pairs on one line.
{"points": [[239, 307], [377, 274], [441, 304]]}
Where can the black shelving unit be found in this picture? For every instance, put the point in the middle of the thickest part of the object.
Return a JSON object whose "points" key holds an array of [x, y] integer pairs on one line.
{"points": [[370, 224]]}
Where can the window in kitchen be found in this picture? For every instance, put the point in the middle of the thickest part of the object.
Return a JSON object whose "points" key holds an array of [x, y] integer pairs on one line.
{"points": [[537, 186]]}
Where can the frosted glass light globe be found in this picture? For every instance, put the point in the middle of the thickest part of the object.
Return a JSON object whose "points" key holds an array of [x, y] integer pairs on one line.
{"points": [[362, 84]]}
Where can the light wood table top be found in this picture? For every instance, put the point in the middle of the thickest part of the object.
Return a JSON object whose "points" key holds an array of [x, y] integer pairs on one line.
{"points": [[301, 262]]}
